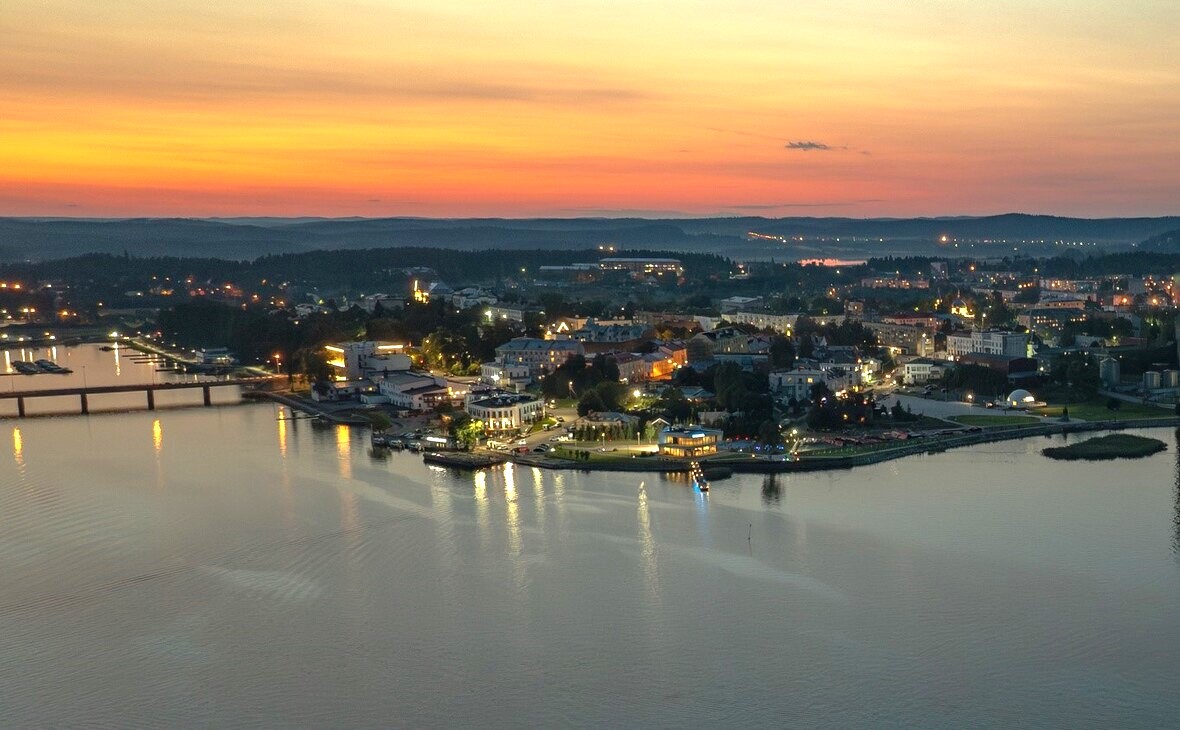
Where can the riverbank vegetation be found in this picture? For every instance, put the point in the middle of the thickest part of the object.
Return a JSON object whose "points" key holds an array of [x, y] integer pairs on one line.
{"points": [[1101, 448]]}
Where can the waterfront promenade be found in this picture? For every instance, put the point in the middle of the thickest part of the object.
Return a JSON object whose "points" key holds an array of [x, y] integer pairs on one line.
{"points": [[853, 457]]}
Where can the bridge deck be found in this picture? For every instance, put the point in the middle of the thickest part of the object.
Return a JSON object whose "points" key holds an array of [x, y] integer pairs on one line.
{"points": [[142, 387]]}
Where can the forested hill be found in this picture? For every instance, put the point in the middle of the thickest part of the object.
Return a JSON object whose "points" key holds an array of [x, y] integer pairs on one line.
{"points": [[350, 268], [1164, 242], [26, 239]]}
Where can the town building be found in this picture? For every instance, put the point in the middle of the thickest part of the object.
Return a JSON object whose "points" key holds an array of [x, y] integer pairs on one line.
{"points": [[506, 411], [539, 356], [514, 377], [991, 342], [784, 323], [504, 313], [690, 442], [643, 267], [418, 391], [894, 282], [798, 381], [903, 338], [357, 360], [604, 337], [922, 370]]}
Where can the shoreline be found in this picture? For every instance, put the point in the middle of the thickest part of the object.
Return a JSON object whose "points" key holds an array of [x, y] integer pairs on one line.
{"points": [[756, 465]]}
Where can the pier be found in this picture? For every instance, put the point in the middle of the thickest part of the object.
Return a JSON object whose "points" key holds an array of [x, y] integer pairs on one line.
{"points": [[149, 389]]}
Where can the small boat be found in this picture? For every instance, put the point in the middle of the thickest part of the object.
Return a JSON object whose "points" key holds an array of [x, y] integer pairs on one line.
{"points": [[48, 366], [25, 368]]}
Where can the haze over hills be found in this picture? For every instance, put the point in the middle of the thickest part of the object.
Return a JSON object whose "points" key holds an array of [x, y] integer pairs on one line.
{"points": [[40, 239]]}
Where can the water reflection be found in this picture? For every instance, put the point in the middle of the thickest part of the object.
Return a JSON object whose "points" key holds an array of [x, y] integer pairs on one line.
{"points": [[480, 493], [18, 448], [512, 510], [282, 424], [647, 545], [772, 491], [344, 451], [157, 436]]}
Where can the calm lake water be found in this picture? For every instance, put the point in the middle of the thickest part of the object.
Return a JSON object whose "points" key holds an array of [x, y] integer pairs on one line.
{"points": [[219, 567], [94, 366]]}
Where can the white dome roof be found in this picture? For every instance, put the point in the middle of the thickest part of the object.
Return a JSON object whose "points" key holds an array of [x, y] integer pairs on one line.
{"points": [[1019, 397]]}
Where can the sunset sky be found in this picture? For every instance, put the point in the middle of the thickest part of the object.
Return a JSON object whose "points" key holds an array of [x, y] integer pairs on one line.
{"points": [[589, 107]]}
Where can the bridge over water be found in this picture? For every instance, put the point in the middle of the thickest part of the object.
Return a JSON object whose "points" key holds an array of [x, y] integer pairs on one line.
{"points": [[150, 389]]}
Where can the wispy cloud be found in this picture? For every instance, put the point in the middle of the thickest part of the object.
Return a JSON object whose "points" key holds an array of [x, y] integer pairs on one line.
{"points": [[809, 146]]}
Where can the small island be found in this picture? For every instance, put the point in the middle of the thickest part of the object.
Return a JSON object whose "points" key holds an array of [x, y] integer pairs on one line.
{"points": [[1114, 446]]}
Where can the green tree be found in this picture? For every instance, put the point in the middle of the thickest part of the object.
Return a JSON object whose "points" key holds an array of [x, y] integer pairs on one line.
{"points": [[468, 433]]}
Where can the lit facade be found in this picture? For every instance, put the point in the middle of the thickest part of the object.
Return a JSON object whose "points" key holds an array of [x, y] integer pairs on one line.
{"points": [[688, 443]]}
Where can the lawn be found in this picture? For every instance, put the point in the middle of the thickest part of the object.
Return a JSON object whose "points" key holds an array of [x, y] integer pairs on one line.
{"points": [[1096, 410], [595, 455], [986, 421]]}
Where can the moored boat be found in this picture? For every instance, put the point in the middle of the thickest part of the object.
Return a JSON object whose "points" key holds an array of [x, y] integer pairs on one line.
{"points": [[48, 366]]}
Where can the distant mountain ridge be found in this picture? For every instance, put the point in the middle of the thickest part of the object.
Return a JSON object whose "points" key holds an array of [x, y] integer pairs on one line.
{"points": [[41, 239]]}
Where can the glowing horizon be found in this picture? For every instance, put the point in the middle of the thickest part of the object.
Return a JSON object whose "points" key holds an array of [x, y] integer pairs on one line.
{"points": [[591, 107]]}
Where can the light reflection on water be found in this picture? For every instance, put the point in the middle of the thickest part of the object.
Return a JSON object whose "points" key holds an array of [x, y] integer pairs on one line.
{"points": [[285, 577], [93, 366]]}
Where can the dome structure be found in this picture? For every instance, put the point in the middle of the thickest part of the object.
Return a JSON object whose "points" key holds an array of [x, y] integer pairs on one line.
{"points": [[1019, 398]]}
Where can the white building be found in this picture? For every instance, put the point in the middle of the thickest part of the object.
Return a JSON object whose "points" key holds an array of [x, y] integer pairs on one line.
{"points": [[540, 356], [509, 377], [506, 412], [356, 360], [472, 297], [416, 391], [784, 323], [504, 313], [921, 371], [991, 342]]}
